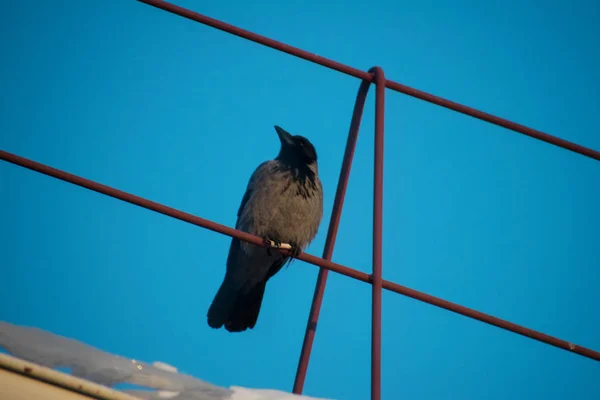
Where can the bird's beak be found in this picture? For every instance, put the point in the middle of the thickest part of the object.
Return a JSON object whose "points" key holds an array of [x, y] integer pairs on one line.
{"points": [[284, 136]]}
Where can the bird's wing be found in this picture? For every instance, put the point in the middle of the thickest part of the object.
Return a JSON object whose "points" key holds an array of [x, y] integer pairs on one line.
{"points": [[244, 200], [276, 266], [252, 182], [235, 247]]}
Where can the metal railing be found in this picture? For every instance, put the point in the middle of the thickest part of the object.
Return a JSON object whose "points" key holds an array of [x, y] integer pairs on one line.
{"points": [[374, 75]]}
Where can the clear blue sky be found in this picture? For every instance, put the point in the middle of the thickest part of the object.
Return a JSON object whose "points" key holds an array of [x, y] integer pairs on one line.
{"points": [[168, 109]]}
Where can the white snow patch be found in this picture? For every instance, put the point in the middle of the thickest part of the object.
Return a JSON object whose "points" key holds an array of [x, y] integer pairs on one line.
{"points": [[87, 362]]}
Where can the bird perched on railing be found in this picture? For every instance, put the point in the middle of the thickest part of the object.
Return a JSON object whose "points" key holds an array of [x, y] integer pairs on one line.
{"points": [[283, 203]]}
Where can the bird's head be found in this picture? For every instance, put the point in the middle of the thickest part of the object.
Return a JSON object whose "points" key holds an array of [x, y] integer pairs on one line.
{"points": [[295, 149]]}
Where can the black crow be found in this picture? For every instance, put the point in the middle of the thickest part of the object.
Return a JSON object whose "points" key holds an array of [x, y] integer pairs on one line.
{"points": [[283, 203]]}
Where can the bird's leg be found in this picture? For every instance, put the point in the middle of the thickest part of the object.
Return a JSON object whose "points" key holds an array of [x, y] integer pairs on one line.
{"points": [[295, 250], [269, 243]]}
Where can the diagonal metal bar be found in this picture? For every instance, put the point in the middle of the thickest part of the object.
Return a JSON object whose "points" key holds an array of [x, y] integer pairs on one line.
{"points": [[341, 269], [334, 222], [513, 126]]}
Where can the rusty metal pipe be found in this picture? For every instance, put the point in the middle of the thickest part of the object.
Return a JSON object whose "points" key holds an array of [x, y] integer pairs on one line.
{"points": [[357, 73], [377, 234], [352, 273], [334, 222]]}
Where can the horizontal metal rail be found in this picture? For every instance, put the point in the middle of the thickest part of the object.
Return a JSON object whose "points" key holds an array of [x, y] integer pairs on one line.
{"points": [[341, 269], [357, 73]]}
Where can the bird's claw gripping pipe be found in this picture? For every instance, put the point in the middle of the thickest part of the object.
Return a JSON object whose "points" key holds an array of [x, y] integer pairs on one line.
{"points": [[274, 243]]}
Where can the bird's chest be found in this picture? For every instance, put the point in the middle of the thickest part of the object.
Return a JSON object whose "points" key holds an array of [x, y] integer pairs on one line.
{"points": [[290, 213]]}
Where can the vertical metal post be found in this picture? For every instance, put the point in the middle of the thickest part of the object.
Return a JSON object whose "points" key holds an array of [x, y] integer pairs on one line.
{"points": [[377, 235], [334, 222]]}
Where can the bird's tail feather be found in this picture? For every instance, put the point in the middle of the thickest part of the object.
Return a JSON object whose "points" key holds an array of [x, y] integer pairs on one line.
{"points": [[236, 310], [222, 305], [246, 309]]}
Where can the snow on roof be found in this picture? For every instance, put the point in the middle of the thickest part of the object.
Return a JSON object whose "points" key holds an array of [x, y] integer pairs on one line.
{"points": [[87, 362]]}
